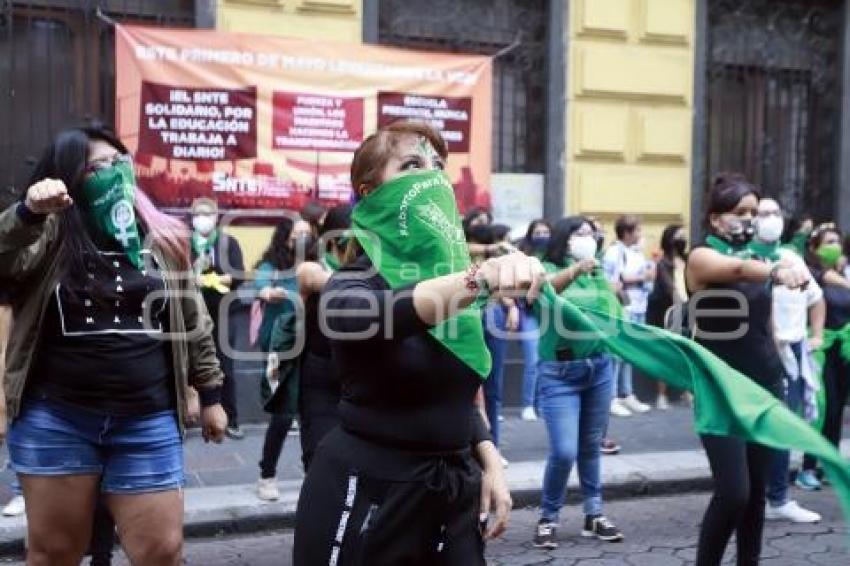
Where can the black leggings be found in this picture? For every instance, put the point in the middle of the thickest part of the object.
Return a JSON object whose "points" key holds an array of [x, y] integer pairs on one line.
{"points": [[836, 381], [740, 470], [276, 432]]}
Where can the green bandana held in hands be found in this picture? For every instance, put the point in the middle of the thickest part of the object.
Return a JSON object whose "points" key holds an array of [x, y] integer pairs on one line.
{"points": [[410, 228], [726, 402], [109, 195]]}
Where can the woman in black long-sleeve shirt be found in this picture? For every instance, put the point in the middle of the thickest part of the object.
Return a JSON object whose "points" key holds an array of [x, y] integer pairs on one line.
{"points": [[397, 483]]}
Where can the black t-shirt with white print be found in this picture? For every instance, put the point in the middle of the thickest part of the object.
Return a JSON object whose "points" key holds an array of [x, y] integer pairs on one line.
{"points": [[100, 355]]}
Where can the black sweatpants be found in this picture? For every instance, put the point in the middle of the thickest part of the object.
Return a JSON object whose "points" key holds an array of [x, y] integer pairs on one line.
{"points": [[318, 403], [836, 382], [348, 517], [740, 471]]}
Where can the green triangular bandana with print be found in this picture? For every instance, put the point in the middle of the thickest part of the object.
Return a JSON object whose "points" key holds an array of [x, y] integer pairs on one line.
{"points": [[110, 197], [411, 230]]}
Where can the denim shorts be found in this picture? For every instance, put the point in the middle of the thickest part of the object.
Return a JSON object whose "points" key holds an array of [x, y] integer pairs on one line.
{"points": [[131, 454]]}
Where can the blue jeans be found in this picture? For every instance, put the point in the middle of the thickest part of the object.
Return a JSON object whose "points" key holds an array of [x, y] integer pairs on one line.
{"points": [[132, 455], [777, 486], [494, 335], [575, 398], [529, 336], [623, 385]]}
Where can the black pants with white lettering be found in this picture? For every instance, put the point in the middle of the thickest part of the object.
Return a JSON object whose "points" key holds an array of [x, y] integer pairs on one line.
{"points": [[346, 518]]}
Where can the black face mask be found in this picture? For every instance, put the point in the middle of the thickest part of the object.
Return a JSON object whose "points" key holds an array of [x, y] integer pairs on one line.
{"points": [[680, 247], [742, 236]]}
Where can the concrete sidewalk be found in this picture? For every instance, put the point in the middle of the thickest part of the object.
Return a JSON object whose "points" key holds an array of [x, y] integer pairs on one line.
{"points": [[661, 454]]}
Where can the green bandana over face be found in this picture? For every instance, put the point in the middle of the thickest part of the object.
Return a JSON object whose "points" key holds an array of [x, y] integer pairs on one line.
{"points": [[411, 230], [109, 195]]}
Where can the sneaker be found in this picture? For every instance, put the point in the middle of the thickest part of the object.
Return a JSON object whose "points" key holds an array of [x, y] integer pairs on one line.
{"points": [[808, 481], [501, 418], [528, 414], [618, 409], [609, 447], [544, 536], [267, 489], [505, 463], [634, 405], [234, 432], [790, 511], [662, 403], [600, 527], [15, 507]]}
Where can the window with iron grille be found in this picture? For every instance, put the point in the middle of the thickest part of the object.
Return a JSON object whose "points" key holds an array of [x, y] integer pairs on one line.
{"points": [[515, 27], [774, 97], [57, 69]]}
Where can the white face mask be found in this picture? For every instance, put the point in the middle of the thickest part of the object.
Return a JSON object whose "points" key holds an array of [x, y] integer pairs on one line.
{"points": [[204, 224], [769, 229], [582, 247]]}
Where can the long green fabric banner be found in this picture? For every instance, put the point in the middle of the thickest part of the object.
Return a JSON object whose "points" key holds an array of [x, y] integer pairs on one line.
{"points": [[726, 402]]}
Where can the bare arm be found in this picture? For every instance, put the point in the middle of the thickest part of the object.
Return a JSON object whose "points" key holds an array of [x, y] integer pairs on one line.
{"points": [[706, 266], [832, 277], [438, 299], [311, 278], [562, 279], [817, 318]]}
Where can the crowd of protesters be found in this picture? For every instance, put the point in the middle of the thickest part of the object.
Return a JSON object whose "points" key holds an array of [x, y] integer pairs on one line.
{"points": [[121, 329]]}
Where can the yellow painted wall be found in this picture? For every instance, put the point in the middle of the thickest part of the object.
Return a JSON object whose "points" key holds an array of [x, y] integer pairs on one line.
{"points": [[629, 111], [334, 20]]}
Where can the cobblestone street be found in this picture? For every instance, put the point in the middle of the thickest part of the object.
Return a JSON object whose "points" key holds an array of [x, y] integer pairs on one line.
{"points": [[659, 532]]}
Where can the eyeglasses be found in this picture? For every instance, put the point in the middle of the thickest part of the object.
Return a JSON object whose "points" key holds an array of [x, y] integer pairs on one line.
{"points": [[93, 167]]}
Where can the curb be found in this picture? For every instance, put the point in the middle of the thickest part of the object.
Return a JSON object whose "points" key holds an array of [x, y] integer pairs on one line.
{"points": [[249, 516]]}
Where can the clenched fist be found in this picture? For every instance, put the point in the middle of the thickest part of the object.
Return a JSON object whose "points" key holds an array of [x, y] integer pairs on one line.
{"points": [[47, 196]]}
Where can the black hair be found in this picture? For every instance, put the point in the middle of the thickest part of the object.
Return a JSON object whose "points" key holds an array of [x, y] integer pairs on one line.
{"points": [[559, 242], [337, 219], [726, 192], [668, 239], [472, 214], [815, 241], [626, 224], [65, 159], [279, 253], [525, 245], [480, 234], [312, 212]]}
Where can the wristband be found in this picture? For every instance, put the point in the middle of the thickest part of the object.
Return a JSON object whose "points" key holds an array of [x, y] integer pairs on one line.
{"points": [[473, 281]]}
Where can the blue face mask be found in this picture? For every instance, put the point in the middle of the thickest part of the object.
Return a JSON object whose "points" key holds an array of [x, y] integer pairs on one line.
{"points": [[539, 242]]}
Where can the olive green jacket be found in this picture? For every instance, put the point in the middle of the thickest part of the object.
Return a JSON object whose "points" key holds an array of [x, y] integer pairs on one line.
{"points": [[29, 256]]}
